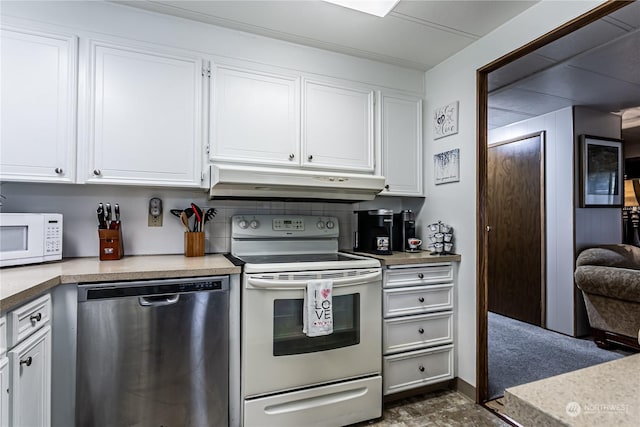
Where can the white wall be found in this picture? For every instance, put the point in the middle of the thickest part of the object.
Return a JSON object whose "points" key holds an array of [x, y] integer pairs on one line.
{"points": [[78, 204], [455, 79]]}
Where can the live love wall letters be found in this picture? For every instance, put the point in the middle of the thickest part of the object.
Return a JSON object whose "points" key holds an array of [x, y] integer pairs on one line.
{"points": [[445, 120]]}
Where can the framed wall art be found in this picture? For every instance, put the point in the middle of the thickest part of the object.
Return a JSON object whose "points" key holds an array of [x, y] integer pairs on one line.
{"points": [[601, 172], [446, 166], [445, 120]]}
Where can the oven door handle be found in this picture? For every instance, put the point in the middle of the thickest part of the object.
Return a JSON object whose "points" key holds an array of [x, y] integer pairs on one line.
{"points": [[255, 282]]}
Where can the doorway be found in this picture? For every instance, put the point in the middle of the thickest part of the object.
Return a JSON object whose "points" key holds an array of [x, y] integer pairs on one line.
{"points": [[516, 230], [482, 181]]}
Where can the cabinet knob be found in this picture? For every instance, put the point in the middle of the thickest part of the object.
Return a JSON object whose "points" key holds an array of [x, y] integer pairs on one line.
{"points": [[97, 172], [292, 156], [421, 368], [36, 317], [420, 276], [386, 187], [310, 157], [421, 330], [421, 299], [26, 361], [58, 171]]}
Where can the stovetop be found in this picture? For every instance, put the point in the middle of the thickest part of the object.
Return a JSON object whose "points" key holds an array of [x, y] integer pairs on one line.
{"points": [[281, 243]]}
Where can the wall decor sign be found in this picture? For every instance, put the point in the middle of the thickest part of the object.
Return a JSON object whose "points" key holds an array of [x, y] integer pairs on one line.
{"points": [[446, 166], [601, 174], [445, 120]]}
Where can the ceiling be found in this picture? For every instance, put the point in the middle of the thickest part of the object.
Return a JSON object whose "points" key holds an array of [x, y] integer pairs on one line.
{"points": [[416, 34], [597, 66]]}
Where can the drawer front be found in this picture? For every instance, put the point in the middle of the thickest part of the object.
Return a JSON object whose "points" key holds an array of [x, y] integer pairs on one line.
{"points": [[27, 319], [416, 332], [3, 335], [417, 300], [341, 404], [436, 273], [417, 368]]}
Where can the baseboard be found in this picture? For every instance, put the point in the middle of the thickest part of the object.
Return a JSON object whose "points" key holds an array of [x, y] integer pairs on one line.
{"points": [[446, 385], [455, 384], [465, 388]]}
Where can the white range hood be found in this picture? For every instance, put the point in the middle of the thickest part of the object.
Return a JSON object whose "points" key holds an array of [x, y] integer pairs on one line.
{"points": [[231, 181]]}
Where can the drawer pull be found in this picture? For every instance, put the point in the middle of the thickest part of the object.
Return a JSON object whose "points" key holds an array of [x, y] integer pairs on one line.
{"points": [[36, 317], [421, 299], [421, 368], [420, 276], [26, 361], [421, 330]]}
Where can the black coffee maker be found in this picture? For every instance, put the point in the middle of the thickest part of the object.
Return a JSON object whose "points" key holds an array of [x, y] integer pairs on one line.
{"points": [[404, 228], [374, 231]]}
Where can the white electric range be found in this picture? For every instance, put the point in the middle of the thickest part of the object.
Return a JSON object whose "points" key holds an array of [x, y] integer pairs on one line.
{"points": [[288, 378]]}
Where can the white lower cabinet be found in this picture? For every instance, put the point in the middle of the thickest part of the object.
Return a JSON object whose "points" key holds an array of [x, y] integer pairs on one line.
{"points": [[4, 375], [28, 386], [412, 369], [418, 326], [4, 391]]}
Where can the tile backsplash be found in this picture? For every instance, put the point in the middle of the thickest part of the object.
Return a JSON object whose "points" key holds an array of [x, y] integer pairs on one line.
{"points": [[78, 204]]}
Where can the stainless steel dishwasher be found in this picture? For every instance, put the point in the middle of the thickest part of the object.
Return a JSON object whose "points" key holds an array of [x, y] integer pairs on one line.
{"points": [[153, 353]]}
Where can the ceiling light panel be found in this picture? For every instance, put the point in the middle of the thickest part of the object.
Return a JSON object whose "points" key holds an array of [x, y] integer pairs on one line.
{"points": [[374, 7]]}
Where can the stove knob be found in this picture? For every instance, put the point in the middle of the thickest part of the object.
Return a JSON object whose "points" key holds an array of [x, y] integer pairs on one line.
{"points": [[320, 225], [254, 224], [243, 224], [330, 225]]}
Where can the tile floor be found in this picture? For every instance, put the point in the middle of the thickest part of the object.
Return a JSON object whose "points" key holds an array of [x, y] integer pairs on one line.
{"points": [[442, 409]]}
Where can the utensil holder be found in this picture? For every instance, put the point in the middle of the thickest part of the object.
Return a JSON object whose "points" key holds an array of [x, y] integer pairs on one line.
{"points": [[194, 243], [111, 247]]}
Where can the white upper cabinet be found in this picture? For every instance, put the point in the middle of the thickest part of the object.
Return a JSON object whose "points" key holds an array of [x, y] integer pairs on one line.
{"points": [[401, 137], [38, 106], [255, 117], [337, 127], [143, 118], [260, 118]]}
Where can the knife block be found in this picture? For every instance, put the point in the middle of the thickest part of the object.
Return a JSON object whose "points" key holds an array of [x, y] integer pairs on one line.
{"points": [[111, 247], [194, 243]]}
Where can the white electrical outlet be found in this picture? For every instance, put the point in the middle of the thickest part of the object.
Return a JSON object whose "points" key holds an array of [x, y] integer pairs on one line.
{"points": [[155, 213]]}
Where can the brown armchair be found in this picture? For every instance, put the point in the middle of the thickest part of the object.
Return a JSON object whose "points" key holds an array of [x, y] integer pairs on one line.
{"points": [[609, 278]]}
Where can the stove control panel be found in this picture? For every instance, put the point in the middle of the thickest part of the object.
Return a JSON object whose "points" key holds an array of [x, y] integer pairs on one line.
{"points": [[293, 226], [282, 224]]}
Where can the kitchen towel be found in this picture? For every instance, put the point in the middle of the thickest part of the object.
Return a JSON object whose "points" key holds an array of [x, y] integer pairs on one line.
{"points": [[317, 318]]}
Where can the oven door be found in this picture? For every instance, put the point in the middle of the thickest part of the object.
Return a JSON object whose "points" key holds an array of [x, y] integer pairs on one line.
{"points": [[278, 356]]}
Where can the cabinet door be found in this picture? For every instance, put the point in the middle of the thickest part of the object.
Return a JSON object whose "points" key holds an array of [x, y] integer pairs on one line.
{"points": [[38, 81], [30, 394], [255, 117], [337, 127], [401, 138], [4, 391], [145, 117]]}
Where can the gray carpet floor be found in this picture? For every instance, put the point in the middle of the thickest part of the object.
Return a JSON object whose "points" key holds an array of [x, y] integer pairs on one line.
{"points": [[520, 353]]}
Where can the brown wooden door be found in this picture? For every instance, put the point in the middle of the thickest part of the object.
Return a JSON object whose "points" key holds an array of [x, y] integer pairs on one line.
{"points": [[515, 212]]}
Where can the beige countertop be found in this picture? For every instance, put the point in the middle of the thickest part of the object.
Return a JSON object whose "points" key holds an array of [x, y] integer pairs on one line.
{"points": [[401, 258], [607, 394], [20, 284]]}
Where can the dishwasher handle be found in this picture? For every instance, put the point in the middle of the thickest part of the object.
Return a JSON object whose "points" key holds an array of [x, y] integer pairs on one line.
{"points": [[158, 301]]}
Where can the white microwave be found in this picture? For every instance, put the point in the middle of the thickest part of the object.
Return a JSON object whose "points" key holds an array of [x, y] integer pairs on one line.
{"points": [[28, 238]]}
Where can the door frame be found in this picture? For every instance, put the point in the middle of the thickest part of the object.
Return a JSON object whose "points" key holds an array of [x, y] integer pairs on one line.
{"points": [[482, 95], [542, 167]]}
